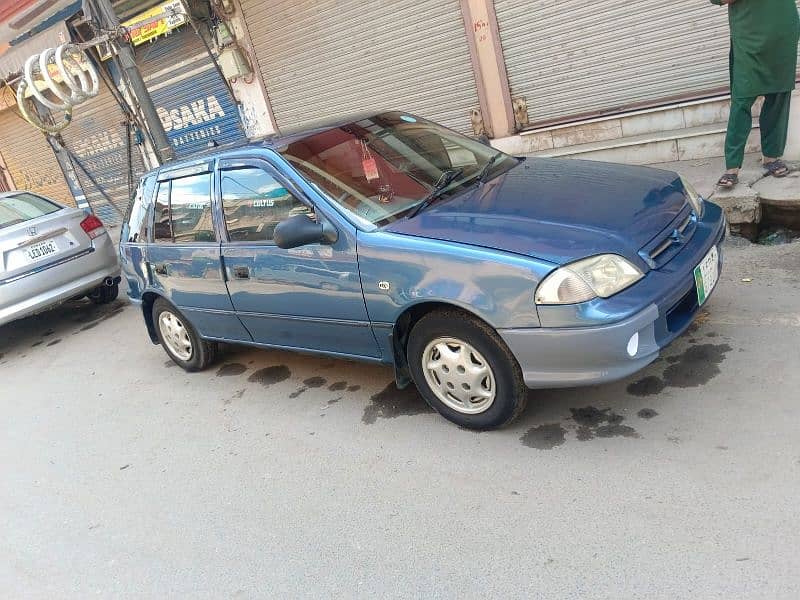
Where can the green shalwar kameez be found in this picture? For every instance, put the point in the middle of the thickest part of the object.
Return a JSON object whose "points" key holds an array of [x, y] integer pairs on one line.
{"points": [[763, 62]]}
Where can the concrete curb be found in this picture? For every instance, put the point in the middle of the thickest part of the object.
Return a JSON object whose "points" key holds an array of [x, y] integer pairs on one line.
{"points": [[756, 193]]}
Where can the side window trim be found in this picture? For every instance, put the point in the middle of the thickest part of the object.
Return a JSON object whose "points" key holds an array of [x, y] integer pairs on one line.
{"points": [[150, 199], [235, 164], [170, 173], [227, 164]]}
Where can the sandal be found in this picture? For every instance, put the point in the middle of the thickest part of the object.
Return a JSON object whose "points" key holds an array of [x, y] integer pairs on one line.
{"points": [[728, 181], [777, 168]]}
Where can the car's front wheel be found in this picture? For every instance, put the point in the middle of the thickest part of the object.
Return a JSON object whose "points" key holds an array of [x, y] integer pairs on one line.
{"points": [[464, 370], [180, 340]]}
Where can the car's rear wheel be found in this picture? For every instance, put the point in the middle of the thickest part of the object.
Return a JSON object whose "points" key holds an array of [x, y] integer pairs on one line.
{"points": [[464, 370], [180, 340], [104, 294]]}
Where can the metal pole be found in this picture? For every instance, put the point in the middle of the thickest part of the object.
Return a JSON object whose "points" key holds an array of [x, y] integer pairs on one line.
{"points": [[108, 20]]}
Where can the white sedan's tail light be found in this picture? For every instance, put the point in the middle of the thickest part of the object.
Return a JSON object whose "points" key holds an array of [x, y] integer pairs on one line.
{"points": [[93, 226]]}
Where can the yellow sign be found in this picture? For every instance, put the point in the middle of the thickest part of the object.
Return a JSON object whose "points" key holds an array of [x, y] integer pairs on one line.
{"points": [[155, 22], [152, 23]]}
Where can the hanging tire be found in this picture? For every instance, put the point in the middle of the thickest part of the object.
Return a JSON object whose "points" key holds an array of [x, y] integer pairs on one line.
{"points": [[104, 294], [465, 371], [180, 340]]}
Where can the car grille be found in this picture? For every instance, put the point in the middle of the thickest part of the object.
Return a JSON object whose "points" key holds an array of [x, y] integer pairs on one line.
{"points": [[670, 241]]}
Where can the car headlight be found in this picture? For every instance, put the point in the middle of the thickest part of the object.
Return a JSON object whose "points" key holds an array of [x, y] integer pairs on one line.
{"points": [[599, 276], [695, 199]]}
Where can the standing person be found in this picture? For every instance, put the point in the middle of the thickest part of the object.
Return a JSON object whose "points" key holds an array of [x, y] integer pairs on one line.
{"points": [[763, 62]]}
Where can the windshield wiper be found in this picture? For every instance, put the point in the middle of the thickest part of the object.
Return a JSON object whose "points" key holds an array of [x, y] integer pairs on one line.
{"points": [[487, 167], [445, 179]]}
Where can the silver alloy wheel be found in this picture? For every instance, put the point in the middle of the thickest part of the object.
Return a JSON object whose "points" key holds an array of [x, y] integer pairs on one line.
{"points": [[459, 375], [175, 335]]}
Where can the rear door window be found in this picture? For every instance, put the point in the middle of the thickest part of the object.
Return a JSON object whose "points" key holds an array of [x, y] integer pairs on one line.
{"points": [[183, 212], [190, 208], [24, 207]]}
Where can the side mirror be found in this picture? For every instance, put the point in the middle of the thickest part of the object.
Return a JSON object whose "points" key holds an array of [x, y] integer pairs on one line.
{"points": [[300, 230]]}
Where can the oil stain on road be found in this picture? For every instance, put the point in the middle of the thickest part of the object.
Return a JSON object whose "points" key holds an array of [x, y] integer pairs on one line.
{"points": [[390, 403], [593, 422], [694, 367], [270, 375], [310, 383], [231, 370], [589, 423], [545, 437]]}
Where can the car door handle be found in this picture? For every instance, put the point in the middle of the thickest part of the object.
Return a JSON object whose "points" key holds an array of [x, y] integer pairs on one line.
{"points": [[241, 272], [160, 269]]}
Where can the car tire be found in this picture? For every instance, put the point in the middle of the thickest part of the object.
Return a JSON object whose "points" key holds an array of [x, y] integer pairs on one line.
{"points": [[104, 294], [180, 340], [464, 370]]}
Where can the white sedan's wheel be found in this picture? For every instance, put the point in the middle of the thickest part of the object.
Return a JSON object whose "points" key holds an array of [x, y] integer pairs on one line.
{"points": [[459, 375]]}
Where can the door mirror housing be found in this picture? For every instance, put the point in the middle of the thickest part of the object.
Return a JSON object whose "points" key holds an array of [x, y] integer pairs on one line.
{"points": [[300, 230]]}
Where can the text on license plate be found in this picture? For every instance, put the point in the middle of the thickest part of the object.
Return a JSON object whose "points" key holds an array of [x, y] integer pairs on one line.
{"points": [[41, 250], [706, 275]]}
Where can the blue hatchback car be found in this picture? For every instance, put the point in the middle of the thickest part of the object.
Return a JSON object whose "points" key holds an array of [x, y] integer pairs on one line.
{"points": [[394, 240]]}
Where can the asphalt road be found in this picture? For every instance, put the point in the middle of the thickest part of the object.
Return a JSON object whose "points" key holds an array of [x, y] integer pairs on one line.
{"points": [[279, 475]]}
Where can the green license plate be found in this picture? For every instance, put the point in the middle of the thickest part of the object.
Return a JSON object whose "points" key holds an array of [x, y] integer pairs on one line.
{"points": [[706, 275]]}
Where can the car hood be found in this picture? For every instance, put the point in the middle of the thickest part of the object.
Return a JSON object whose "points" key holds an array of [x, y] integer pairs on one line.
{"points": [[558, 210]]}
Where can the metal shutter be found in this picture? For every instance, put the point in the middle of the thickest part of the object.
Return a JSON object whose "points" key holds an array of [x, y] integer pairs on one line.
{"points": [[322, 60], [580, 58], [193, 101], [97, 138], [30, 159]]}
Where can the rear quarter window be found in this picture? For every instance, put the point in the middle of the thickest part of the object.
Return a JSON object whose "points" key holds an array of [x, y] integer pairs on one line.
{"points": [[24, 207], [136, 221]]}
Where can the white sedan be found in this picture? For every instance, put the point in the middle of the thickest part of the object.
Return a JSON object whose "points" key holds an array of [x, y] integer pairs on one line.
{"points": [[51, 253]]}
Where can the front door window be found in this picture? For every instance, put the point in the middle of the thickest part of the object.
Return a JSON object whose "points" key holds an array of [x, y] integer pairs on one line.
{"points": [[254, 202]]}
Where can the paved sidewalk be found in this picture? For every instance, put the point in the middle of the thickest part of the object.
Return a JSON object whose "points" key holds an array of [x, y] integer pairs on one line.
{"points": [[704, 174], [756, 195]]}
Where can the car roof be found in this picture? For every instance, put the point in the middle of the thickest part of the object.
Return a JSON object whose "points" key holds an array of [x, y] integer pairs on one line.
{"points": [[11, 193], [272, 142]]}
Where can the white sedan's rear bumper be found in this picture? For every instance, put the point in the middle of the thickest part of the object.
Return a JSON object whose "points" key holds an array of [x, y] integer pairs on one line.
{"points": [[56, 283]]}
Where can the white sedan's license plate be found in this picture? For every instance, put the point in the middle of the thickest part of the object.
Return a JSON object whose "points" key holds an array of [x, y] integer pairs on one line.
{"points": [[706, 275], [41, 250]]}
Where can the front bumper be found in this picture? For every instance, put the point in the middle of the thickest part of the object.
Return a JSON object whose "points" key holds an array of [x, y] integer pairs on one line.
{"points": [[568, 353], [571, 357]]}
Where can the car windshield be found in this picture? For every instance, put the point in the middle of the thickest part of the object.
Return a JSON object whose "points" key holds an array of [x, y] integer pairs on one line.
{"points": [[383, 167], [24, 207]]}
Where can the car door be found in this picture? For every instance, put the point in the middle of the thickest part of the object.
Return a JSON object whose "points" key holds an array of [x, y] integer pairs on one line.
{"points": [[184, 253], [306, 298]]}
